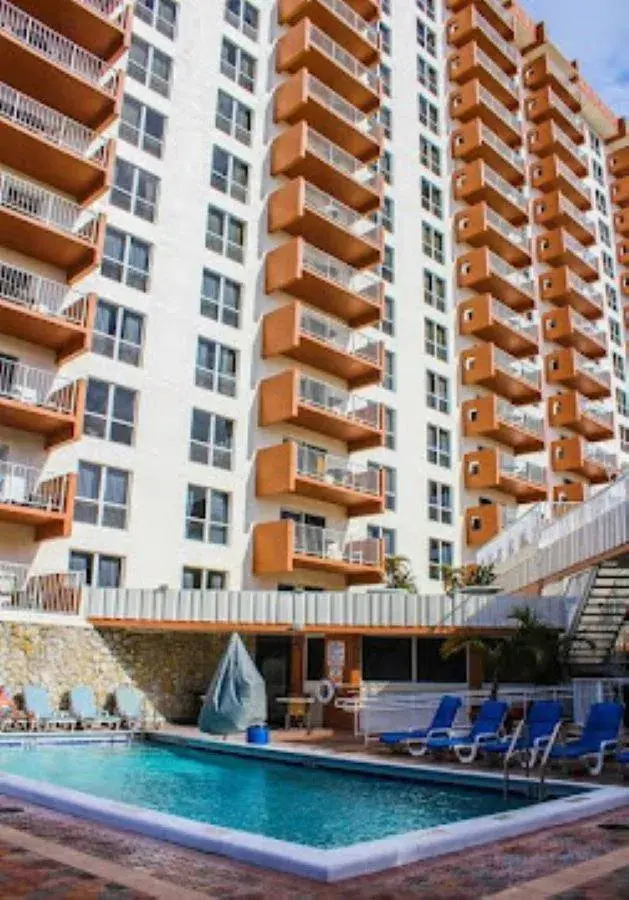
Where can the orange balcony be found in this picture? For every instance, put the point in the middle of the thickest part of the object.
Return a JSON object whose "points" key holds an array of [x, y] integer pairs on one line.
{"points": [[304, 98], [469, 25], [563, 288], [546, 106], [477, 183], [620, 192], [300, 151], [281, 547], [621, 222], [304, 211], [480, 226], [34, 400], [516, 380], [473, 101], [622, 252], [558, 248], [319, 407], [315, 340], [512, 426], [470, 63], [485, 317], [618, 162], [44, 313], [492, 10], [291, 468], [98, 25], [298, 269], [474, 141], [551, 174], [46, 226], [570, 369], [544, 72], [29, 499], [555, 211], [547, 139], [485, 272], [569, 492], [489, 469], [591, 420], [574, 455], [42, 63], [485, 522], [569, 328], [338, 19], [306, 46]]}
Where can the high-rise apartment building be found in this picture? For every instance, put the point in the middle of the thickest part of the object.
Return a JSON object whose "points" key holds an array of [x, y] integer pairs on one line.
{"points": [[345, 286]]}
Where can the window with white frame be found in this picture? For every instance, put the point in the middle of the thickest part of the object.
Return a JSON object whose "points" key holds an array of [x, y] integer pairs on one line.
{"points": [[161, 14], [437, 392], [387, 268], [98, 569], [434, 290], [390, 423], [386, 166], [428, 114], [438, 446], [150, 66], [427, 75], [432, 243], [390, 488], [611, 295], [220, 298], [429, 155], [432, 198], [225, 234], [598, 172], [436, 340], [385, 79], [386, 120], [135, 190], [428, 7], [618, 362], [388, 381], [387, 323], [440, 556], [142, 126], [426, 38], [216, 367], [385, 38], [234, 118], [439, 502], [126, 259], [102, 495], [601, 202], [211, 439], [388, 214], [622, 402], [238, 65], [193, 579], [207, 515], [608, 265], [605, 233], [118, 333], [230, 175], [615, 333], [109, 412], [595, 142], [244, 16], [386, 535]]}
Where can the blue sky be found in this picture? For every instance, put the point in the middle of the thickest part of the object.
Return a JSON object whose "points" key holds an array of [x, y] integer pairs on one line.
{"points": [[597, 33]]}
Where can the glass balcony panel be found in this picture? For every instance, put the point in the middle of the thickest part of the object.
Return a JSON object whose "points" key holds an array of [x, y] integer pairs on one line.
{"points": [[318, 393], [341, 107], [344, 339], [363, 283], [22, 485], [341, 215], [527, 471], [521, 368], [527, 419], [326, 543], [508, 190], [513, 320], [515, 235], [501, 111], [313, 463], [368, 77]]}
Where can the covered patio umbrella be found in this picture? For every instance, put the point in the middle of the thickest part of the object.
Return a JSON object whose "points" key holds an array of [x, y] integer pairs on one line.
{"points": [[236, 697]]}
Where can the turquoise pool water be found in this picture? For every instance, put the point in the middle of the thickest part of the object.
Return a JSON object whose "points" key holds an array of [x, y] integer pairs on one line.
{"points": [[306, 805]]}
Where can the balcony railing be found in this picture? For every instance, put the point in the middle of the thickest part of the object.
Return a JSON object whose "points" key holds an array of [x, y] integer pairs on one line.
{"points": [[517, 468], [599, 457], [21, 485], [364, 284], [520, 279], [37, 387], [341, 107], [515, 235], [521, 417], [104, 7], [594, 330], [505, 14], [368, 77], [592, 368], [582, 287], [340, 159], [575, 120], [331, 208], [519, 323], [50, 298], [596, 411], [12, 577], [559, 75], [575, 213], [53, 46], [514, 157], [332, 332], [508, 49], [355, 22], [521, 368], [28, 199], [325, 543], [514, 194], [322, 395], [54, 127], [567, 142], [56, 592], [490, 66], [335, 470], [566, 172], [501, 111], [574, 246]]}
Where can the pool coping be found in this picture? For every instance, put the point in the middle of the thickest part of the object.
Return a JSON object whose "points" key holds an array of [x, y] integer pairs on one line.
{"points": [[325, 865]]}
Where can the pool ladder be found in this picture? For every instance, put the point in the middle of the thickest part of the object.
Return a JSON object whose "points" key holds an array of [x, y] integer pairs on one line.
{"points": [[512, 753]]}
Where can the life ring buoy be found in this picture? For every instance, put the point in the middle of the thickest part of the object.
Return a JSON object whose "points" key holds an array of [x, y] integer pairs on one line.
{"points": [[324, 691]]}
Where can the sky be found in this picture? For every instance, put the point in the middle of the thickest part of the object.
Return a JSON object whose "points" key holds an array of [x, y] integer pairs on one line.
{"points": [[596, 32]]}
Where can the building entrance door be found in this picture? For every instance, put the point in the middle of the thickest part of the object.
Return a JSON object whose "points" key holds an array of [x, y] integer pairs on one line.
{"points": [[273, 661]]}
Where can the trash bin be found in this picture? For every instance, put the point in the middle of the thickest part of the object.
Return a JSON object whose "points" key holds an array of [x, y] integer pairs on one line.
{"points": [[257, 734]]}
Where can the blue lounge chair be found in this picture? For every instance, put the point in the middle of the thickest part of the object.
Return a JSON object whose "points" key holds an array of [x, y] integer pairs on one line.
{"points": [[442, 722], [539, 728], [486, 728], [38, 706], [598, 740], [83, 708], [129, 706]]}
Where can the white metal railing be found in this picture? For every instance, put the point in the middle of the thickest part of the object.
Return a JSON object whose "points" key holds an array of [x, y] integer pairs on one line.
{"points": [[599, 457], [512, 156], [363, 283], [513, 193], [500, 109], [335, 470], [41, 295], [576, 283], [526, 418], [354, 20], [518, 468], [342, 107], [58, 592], [497, 39], [581, 252], [575, 213], [12, 577], [368, 77], [505, 14], [326, 543], [566, 141], [517, 236], [507, 81], [519, 278], [37, 387], [53, 46], [53, 210], [596, 411], [347, 406], [561, 76], [592, 368], [104, 7], [337, 212], [514, 320], [575, 120], [594, 330], [521, 368], [50, 124], [566, 172], [345, 339], [338, 158], [21, 485]]}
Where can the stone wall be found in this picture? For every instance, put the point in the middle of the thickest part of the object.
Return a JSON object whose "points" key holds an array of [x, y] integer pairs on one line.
{"points": [[171, 669]]}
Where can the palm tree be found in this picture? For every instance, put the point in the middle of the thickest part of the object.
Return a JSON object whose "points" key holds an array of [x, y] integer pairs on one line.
{"points": [[493, 653], [399, 574]]}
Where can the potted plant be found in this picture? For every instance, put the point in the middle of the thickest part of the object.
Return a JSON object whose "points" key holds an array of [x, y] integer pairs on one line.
{"points": [[470, 579], [399, 574]]}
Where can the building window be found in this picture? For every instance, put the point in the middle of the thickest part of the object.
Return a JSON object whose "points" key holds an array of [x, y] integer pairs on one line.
{"points": [[432, 243], [619, 366], [440, 502], [98, 569], [161, 14], [601, 202], [608, 265], [388, 382], [598, 172], [135, 190], [612, 297], [426, 38], [126, 259], [605, 233], [385, 38], [150, 66], [102, 496], [439, 557], [387, 214], [436, 340], [216, 367], [427, 75], [220, 298], [438, 447], [234, 118], [207, 515], [386, 166], [211, 439], [203, 580], [437, 392], [109, 412], [622, 402], [385, 79], [434, 291], [387, 323], [390, 438], [230, 175], [387, 659], [428, 7], [238, 65], [390, 488], [142, 126], [429, 155], [387, 268], [432, 198], [428, 114], [387, 535], [595, 142], [244, 16], [225, 234], [118, 333], [386, 120], [615, 333]]}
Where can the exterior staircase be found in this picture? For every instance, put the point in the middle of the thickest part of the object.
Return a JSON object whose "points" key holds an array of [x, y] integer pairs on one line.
{"points": [[599, 618]]}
